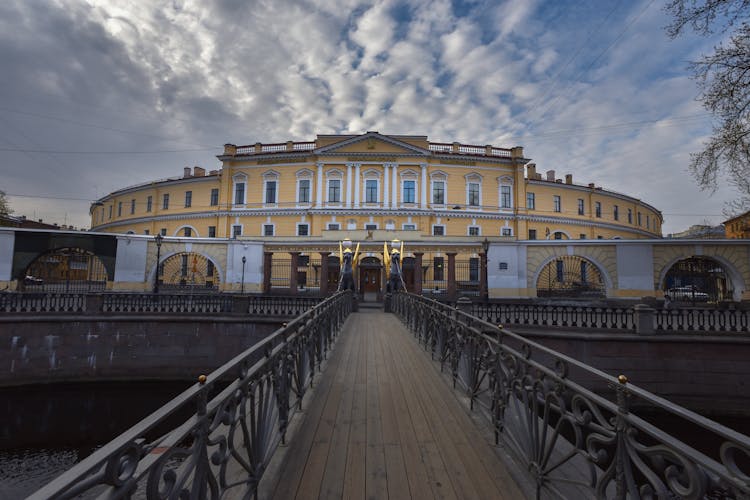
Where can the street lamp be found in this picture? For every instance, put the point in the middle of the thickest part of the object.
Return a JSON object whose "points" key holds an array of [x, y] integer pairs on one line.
{"points": [[158, 239], [244, 259]]}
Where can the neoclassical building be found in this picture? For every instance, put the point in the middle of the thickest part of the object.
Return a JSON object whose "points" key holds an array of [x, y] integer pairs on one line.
{"points": [[374, 182]]}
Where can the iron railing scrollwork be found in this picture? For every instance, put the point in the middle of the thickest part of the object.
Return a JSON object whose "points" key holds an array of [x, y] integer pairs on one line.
{"points": [[570, 316], [166, 303], [228, 441], [574, 440]]}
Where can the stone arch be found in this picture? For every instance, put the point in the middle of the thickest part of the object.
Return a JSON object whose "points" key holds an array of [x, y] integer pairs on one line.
{"points": [[578, 276], [216, 277], [192, 229], [65, 269], [552, 232], [736, 283]]}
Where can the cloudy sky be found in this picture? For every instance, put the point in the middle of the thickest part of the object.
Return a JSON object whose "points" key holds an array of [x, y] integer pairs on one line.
{"points": [[96, 95]]}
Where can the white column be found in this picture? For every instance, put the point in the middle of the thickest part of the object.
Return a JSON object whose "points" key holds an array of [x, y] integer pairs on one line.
{"points": [[394, 192], [348, 185], [386, 191], [357, 185], [319, 194], [423, 189]]}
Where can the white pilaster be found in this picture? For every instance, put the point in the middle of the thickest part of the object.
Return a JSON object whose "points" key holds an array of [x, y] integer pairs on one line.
{"points": [[348, 185], [319, 190], [357, 185], [386, 191], [423, 188], [394, 194]]}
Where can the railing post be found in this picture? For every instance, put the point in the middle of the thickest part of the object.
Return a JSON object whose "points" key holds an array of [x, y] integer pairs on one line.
{"points": [[464, 305], [267, 267], [621, 429], [451, 275], [293, 272], [643, 316], [240, 304], [94, 303]]}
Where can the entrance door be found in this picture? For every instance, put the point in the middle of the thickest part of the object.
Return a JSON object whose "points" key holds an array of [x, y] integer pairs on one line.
{"points": [[369, 278]]}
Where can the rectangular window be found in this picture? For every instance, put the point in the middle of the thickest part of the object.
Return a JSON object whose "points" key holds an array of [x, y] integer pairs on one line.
{"points": [[648, 222], [371, 191], [532, 234], [530, 201], [616, 212], [558, 235], [598, 208], [236, 231], [581, 236], [239, 193], [409, 227], [304, 191], [438, 193], [334, 191], [505, 197], [110, 211], [165, 201], [556, 203], [437, 269], [334, 226], [267, 229], [303, 229], [163, 231], [119, 208], [438, 230], [212, 231], [149, 203], [188, 232], [214, 197], [474, 269], [640, 222], [506, 231], [580, 207], [132, 206], [371, 227], [146, 232], [473, 194], [473, 231], [408, 196], [188, 199], [270, 192], [630, 216]]}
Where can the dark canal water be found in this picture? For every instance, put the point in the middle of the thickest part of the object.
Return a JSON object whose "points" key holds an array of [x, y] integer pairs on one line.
{"points": [[46, 429]]}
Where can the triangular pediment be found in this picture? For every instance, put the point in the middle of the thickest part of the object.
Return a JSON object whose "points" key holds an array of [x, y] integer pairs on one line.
{"points": [[372, 143]]}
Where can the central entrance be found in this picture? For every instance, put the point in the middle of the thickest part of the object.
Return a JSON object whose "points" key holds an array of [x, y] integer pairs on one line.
{"points": [[370, 272]]}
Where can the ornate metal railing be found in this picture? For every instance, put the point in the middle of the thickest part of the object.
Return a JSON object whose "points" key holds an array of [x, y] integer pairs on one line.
{"points": [[618, 318], [166, 303], [281, 306], [32, 302], [574, 440], [705, 320], [228, 441]]}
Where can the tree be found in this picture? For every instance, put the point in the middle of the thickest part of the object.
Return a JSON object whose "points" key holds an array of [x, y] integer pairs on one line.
{"points": [[4, 205], [724, 81]]}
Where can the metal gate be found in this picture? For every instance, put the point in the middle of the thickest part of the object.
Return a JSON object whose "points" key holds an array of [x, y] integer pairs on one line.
{"points": [[65, 270], [697, 279], [570, 276], [188, 271]]}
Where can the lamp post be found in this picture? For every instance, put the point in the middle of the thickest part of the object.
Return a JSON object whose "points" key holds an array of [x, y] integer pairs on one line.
{"points": [[242, 290], [484, 285], [158, 239]]}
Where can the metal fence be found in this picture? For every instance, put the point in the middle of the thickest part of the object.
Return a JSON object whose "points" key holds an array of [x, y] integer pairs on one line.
{"points": [[32, 302], [281, 273], [702, 320], [605, 318], [573, 441], [228, 441], [166, 303]]}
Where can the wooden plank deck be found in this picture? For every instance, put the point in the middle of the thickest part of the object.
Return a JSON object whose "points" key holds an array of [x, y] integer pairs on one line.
{"points": [[384, 424]]}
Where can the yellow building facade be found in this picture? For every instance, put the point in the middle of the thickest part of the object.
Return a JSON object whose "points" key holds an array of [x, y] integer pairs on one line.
{"points": [[738, 227], [405, 185]]}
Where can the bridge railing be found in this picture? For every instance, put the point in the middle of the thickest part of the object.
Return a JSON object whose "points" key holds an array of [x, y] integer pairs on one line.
{"points": [[574, 440], [705, 320], [42, 302], [572, 316], [239, 414]]}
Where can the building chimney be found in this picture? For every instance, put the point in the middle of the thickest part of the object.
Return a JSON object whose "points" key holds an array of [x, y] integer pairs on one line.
{"points": [[186, 172], [568, 178], [551, 175], [199, 172], [531, 171]]}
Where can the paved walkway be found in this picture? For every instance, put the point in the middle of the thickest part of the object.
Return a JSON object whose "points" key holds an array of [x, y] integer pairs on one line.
{"points": [[384, 424]]}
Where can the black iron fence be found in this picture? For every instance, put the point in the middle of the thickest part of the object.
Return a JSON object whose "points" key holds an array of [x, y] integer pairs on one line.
{"points": [[577, 431], [33, 302], [228, 441], [704, 320], [166, 303], [550, 315]]}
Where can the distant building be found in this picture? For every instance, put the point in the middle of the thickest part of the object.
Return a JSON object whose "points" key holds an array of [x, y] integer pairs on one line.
{"points": [[738, 227], [700, 231], [22, 222]]}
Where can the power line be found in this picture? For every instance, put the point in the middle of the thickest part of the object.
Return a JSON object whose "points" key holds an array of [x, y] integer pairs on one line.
{"points": [[60, 152]]}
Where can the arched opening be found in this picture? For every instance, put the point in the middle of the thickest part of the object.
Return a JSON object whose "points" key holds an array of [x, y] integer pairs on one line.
{"points": [[188, 271], [570, 276], [697, 279], [370, 273], [65, 270]]}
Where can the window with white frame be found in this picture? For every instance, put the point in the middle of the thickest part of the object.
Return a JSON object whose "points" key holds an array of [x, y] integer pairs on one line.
{"points": [[390, 225], [438, 230], [303, 229], [236, 230], [473, 190], [268, 229], [351, 224], [438, 192], [304, 186], [473, 230], [556, 204], [408, 191], [409, 227], [239, 189], [530, 201], [371, 190], [506, 231], [334, 190], [580, 206], [270, 188], [333, 226], [598, 209], [371, 227], [506, 192]]}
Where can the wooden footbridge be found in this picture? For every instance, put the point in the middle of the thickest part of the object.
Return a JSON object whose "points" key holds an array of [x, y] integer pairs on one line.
{"points": [[422, 401]]}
